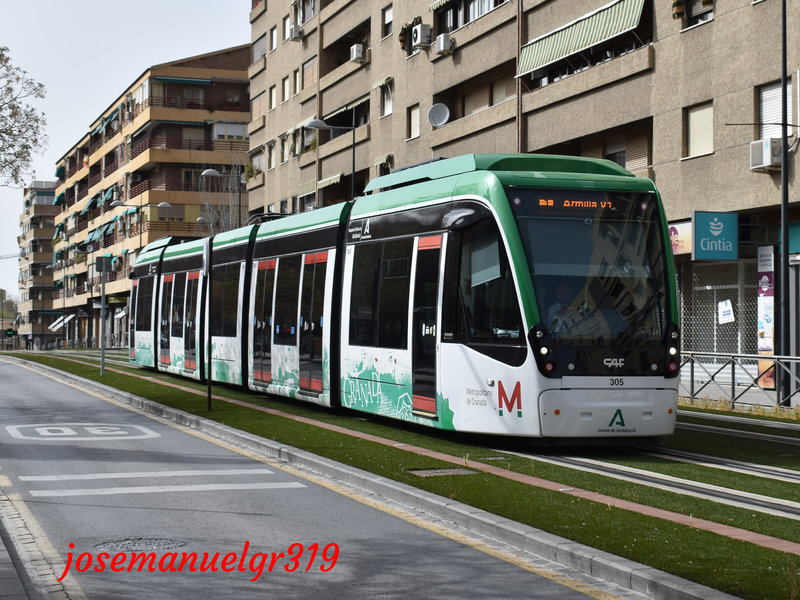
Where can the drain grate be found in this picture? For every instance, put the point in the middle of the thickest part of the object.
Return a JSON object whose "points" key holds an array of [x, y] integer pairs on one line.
{"points": [[141, 544], [440, 472]]}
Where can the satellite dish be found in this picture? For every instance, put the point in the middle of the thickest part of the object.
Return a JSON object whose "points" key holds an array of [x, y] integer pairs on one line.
{"points": [[438, 115]]}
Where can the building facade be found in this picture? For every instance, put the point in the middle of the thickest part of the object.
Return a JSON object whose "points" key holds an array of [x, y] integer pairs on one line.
{"points": [[677, 91], [136, 176], [36, 311]]}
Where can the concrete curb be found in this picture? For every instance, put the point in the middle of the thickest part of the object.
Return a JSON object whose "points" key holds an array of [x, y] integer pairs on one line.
{"points": [[628, 574]]}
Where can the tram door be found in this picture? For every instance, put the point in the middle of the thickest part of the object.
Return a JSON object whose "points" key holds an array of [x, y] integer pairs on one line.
{"points": [[424, 326], [164, 326], [311, 320]]}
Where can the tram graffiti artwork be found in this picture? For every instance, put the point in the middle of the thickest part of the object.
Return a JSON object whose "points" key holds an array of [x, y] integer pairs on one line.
{"points": [[522, 295]]}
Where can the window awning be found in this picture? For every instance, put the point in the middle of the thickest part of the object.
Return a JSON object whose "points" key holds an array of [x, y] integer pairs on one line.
{"points": [[611, 20], [121, 313], [187, 80], [352, 105], [68, 319], [89, 205], [60, 198], [56, 324], [328, 181]]}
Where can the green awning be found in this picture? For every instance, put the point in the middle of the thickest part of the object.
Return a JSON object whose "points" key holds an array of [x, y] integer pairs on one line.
{"points": [[189, 80], [60, 198], [89, 205], [108, 193], [59, 229], [611, 20], [130, 210], [60, 171]]}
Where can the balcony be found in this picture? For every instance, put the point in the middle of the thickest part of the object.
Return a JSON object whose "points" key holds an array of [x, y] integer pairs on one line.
{"points": [[190, 103], [165, 143]]}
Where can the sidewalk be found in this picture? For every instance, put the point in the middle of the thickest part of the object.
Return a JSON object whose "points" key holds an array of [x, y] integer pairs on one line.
{"points": [[11, 587]]}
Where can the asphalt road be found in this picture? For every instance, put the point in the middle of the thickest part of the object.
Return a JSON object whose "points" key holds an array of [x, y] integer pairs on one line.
{"points": [[94, 483]]}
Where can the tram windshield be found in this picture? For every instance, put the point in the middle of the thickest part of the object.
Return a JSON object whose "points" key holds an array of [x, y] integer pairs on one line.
{"points": [[597, 262]]}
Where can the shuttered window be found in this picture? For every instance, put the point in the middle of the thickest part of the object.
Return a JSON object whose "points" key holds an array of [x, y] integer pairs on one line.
{"points": [[770, 110], [700, 130]]}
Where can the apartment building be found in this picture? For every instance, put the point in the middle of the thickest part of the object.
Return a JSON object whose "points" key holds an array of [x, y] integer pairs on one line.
{"points": [[136, 176], [678, 91], [36, 310]]}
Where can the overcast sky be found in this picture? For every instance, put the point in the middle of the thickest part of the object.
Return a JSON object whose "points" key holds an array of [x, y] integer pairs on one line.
{"points": [[86, 53]]}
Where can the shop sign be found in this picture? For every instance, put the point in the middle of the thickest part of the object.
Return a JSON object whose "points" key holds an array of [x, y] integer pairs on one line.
{"points": [[715, 236]]}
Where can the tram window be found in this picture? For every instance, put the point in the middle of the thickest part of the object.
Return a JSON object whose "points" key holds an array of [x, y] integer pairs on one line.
{"points": [[286, 298], [364, 294], [144, 304], [225, 303], [164, 329], [394, 290], [178, 297], [379, 294], [487, 293]]}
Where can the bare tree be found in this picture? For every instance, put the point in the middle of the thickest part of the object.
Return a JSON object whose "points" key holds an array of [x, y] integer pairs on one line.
{"points": [[225, 196], [21, 125]]}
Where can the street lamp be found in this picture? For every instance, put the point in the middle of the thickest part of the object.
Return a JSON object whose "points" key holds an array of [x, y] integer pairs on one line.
{"points": [[320, 124], [241, 181]]}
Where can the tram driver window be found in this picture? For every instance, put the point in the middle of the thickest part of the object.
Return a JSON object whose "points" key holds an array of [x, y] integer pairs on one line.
{"points": [[486, 288]]}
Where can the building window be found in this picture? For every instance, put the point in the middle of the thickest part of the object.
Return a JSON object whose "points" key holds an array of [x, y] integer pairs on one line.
{"points": [[700, 130], [458, 13], [387, 21], [287, 27], [284, 149], [699, 11], [412, 118], [306, 9], [615, 151], [386, 99], [286, 89], [273, 97], [298, 83], [770, 110], [257, 160], [310, 72], [259, 47], [257, 105], [271, 156], [273, 38]]}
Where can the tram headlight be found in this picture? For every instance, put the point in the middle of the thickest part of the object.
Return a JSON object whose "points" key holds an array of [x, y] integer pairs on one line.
{"points": [[673, 351], [544, 350]]}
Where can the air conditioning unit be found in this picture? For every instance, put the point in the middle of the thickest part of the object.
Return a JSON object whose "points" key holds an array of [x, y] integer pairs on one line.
{"points": [[357, 53], [420, 35], [765, 154], [444, 45], [295, 33]]}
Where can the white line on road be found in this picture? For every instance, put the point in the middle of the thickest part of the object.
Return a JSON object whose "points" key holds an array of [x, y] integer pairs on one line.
{"points": [[148, 474], [160, 489]]}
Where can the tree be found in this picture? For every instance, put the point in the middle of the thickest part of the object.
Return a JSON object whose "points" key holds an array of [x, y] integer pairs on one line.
{"points": [[21, 125]]}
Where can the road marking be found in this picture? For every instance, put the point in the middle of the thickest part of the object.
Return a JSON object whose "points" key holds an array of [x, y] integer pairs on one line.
{"points": [[160, 489], [147, 474], [80, 432]]}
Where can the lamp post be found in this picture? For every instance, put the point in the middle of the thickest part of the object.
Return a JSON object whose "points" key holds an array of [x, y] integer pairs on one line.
{"points": [[319, 124], [240, 182]]}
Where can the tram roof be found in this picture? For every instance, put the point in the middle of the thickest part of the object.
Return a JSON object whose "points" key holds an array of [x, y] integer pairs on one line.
{"points": [[541, 164]]}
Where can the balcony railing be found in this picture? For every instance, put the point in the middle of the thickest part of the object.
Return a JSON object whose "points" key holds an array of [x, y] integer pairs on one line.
{"points": [[174, 143], [190, 103]]}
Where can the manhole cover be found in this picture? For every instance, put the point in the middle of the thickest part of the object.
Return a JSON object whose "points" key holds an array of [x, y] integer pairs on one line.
{"points": [[440, 472], [140, 544]]}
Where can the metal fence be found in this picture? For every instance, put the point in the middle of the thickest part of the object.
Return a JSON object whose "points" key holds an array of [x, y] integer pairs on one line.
{"points": [[744, 379]]}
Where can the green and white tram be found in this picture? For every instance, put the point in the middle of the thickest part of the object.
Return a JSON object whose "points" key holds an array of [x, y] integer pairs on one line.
{"points": [[523, 295]]}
